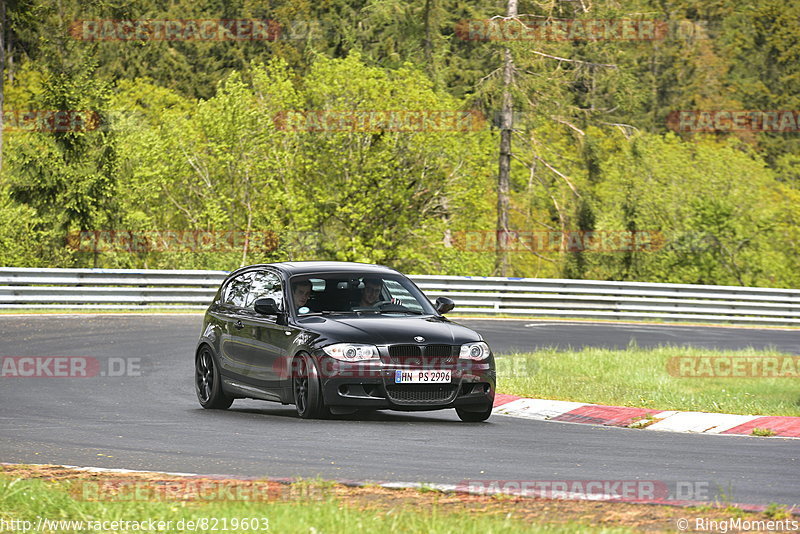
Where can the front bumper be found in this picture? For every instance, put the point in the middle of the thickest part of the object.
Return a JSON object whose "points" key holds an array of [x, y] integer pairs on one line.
{"points": [[372, 385]]}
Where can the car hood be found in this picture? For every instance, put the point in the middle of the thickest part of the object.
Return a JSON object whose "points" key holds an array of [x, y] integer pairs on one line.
{"points": [[382, 330]]}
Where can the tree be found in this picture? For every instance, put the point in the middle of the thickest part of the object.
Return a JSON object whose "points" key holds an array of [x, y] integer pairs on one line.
{"points": [[67, 172]]}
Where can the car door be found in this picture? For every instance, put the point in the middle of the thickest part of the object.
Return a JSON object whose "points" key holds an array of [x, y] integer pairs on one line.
{"points": [[266, 340], [230, 313]]}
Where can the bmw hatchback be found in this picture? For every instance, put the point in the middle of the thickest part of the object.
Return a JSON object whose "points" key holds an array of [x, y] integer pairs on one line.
{"points": [[336, 337]]}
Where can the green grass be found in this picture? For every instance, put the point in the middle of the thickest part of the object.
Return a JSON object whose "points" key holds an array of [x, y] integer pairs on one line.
{"points": [[30, 499], [639, 377]]}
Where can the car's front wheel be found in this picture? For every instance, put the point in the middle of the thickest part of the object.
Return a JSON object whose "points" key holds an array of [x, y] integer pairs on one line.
{"points": [[308, 399], [474, 417], [207, 383]]}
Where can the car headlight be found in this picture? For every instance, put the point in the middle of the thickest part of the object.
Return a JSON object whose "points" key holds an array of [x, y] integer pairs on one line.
{"points": [[351, 352], [474, 351]]}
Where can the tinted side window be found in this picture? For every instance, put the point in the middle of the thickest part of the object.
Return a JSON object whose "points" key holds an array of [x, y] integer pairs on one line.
{"points": [[264, 284], [236, 292]]}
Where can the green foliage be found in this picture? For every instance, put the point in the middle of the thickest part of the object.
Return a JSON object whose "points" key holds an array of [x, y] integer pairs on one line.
{"points": [[711, 202], [66, 175], [191, 142], [224, 164], [21, 236]]}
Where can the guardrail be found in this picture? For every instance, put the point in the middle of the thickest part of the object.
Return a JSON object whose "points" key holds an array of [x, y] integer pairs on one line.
{"points": [[22, 288], [107, 288], [615, 300]]}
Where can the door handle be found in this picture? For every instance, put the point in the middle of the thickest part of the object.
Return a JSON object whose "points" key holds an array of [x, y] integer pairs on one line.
{"points": [[238, 324]]}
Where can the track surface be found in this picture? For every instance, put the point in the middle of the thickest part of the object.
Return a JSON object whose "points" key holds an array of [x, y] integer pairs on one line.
{"points": [[153, 421]]}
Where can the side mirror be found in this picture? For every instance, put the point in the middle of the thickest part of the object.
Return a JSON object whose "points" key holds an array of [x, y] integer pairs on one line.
{"points": [[444, 305], [266, 306]]}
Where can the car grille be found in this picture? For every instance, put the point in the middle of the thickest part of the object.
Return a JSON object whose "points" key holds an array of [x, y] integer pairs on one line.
{"points": [[422, 355], [405, 351], [421, 393]]}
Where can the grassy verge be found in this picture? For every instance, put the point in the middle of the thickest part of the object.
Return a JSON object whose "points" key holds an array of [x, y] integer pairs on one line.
{"points": [[28, 493], [649, 378], [29, 500]]}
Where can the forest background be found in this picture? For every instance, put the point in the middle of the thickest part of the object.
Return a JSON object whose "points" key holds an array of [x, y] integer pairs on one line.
{"points": [[182, 157]]}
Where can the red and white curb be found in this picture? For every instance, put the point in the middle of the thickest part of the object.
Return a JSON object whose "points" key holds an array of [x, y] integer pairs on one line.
{"points": [[629, 417]]}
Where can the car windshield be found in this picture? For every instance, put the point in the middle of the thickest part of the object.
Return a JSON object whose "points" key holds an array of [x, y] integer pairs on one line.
{"points": [[354, 293]]}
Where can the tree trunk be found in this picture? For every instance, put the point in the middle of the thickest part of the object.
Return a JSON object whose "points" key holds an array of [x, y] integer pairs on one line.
{"points": [[504, 171], [431, 19]]}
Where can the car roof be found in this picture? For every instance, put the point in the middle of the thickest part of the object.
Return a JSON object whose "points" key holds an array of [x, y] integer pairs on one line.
{"points": [[293, 268]]}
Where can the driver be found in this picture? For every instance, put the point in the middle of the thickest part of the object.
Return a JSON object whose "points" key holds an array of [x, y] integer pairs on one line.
{"points": [[371, 293], [301, 291]]}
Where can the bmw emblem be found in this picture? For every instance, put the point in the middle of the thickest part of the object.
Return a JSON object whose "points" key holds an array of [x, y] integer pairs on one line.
{"points": [[419, 339]]}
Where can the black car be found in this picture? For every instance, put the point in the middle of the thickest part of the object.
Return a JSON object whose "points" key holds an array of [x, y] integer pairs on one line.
{"points": [[336, 337]]}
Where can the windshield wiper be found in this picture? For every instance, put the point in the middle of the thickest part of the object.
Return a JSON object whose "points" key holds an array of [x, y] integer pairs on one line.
{"points": [[325, 312]]}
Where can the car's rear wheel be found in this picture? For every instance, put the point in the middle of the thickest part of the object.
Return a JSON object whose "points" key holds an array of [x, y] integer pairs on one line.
{"points": [[474, 417], [207, 383], [308, 399]]}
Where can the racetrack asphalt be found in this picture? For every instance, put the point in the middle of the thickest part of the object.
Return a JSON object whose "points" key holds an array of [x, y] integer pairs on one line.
{"points": [[153, 421]]}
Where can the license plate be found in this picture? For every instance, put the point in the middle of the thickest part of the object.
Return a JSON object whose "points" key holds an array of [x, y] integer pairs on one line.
{"points": [[421, 377]]}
